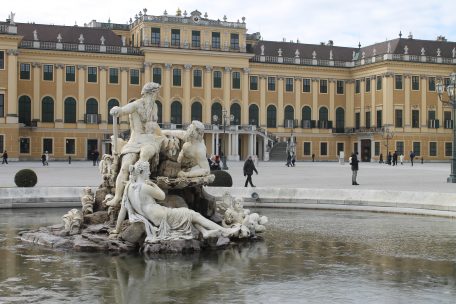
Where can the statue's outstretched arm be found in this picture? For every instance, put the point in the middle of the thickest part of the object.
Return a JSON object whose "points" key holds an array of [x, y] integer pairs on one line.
{"points": [[154, 191], [126, 109]]}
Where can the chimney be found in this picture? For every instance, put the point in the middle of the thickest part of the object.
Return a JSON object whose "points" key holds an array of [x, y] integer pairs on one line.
{"points": [[441, 38]]}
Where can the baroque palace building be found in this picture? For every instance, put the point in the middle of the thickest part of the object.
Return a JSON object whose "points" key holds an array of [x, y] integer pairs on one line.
{"points": [[58, 83]]}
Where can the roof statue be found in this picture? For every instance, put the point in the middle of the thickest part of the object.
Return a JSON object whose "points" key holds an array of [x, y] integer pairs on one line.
{"points": [[297, 53], [406, 50], [59, 38], [11, 18], [423, 51], [102, 40], [35, 35], [363, 54], [374, 52], [81, 39], [353, 55], [439, 52], [331, 55], [454, 52], [280, 52], [389, 48], [262, 49]]}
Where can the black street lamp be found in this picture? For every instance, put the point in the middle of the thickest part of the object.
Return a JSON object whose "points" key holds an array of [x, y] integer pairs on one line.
{"points": [[387, 134], [451, 90], [224, 118]]}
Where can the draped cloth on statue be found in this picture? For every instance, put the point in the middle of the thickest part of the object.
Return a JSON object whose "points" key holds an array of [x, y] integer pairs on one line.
{"points": [[175, 225]]}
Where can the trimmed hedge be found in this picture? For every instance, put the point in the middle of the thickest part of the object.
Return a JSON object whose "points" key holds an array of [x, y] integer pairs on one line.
{"points": [[222, 179], [25, 178]]}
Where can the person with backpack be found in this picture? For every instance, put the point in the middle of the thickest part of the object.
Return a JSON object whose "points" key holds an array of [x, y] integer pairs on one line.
{"points": [[412, 156], [249, 167], [353, 160]]}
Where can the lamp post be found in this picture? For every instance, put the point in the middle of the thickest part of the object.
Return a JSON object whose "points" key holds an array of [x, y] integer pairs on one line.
{"points": [[225, 117], [387, 134], [451, 91]]}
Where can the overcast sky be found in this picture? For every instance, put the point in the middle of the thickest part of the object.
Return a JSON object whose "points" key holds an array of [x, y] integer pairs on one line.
{"points": [[345, 22]]}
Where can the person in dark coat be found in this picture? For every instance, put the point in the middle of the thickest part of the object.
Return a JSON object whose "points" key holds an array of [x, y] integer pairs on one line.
{"points": [[395, 158], [354, 167], [249, 167], [389, 158], [95, 155], [412, 156], [5, 158]]}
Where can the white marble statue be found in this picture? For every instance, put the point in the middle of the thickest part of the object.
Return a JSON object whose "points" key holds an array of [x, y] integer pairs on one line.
{"points": [[423, 51], [161, 223], [73, 221], [280, 52], [35, 35], [330, 54], [81, 39], [262, 49], [249, 223], [102, 40], [146, 138], [439, 52], [406, 50], [192, 156], [454, 52], [59, 38], [87, 200]]}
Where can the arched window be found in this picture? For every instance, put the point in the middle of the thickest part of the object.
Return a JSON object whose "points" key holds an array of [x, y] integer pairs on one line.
{"points": [[47, 109], [159, 110], [340, 118], [253, 115], [92, 106], [197, 111], [216, 113], [25, 110], [306, 113], [111, 104], [176, 113], [271, 117], [289, 112], [323, 114], [235, 110], [70, 110]]}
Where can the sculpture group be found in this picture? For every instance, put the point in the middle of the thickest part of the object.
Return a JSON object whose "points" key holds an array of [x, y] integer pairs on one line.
{"points": [[155, 179]]}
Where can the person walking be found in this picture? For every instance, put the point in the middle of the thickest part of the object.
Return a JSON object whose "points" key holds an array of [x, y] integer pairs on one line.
{"points": [[381, 159], [354, 167], [5, 158], [46, 154], [389, 158], [401, 158], [95, 155], [395, 158], [412, 156], [43, 159], [249, 167]]}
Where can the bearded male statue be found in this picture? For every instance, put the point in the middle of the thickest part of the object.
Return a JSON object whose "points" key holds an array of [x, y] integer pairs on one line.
{"points": [[145, 137]]}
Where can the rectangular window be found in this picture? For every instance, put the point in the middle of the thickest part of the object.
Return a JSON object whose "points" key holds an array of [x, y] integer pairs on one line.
{"points": [[48, 72], [70, 146], [215, 40], [2, 143], [357, 120], [271, 83], [25, 71], [157, 75], [70, 73], [377, 148], [217, 79], [234, 41], [415, 118], [323, 148], [197, 78], [340, 148], [92, 74], [253, 83], [448, 122], [357, 86], [368, 119], [432, 148], [155, 37], [340, 86], [306, 85], [289, 84], [134, 76], [2, 107], [398, 118], [417, 148], [398, 82], [196, 39], [24, 145], [415, 83], [368, 84], [307, 148], [175, 37], [379, 119], [113, 75], [323, 86], [446, 81], [400, 147], [47, 145], [431, 81], [236, 80], [448, 149], [2, 60], [379, 83], [431, 115], [177, 77]]}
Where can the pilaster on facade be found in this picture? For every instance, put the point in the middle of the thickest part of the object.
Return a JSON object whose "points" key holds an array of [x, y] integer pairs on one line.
{"points": [[81, 94], [167, 93], [245, 97], [332, 93], [186, 98], [36, 91], [103, 97], [208, 93], [362, 106], [59, 95], [12, 86], [373, 105], [407, 92], [227, 89], [263, 114], [280, 107], [423, 110], [147, 72], [297, 87], [124, 85], [315, 91]]}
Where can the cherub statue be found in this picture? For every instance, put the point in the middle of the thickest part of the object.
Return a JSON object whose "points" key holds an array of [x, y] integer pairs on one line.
{"points": [[162, 223], [73, 221], [236, 215], [87, 201], [192, 157]]}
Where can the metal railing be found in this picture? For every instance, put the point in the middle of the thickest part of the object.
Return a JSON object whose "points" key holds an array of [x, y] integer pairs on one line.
{"points": [[75, 47]]}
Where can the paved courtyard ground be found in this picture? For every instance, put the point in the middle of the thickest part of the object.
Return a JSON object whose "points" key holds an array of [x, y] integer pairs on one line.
{"points": [[428, 177]]}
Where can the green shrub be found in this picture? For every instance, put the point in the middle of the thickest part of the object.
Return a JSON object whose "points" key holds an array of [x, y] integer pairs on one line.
{"points": [[25, 178], [222, 179]]}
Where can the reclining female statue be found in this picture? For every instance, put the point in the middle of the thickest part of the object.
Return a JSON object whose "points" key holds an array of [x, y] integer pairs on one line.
{"points": [[161, 223]]}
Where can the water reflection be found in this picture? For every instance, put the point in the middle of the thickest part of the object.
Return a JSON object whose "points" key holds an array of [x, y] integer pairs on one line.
{"points": [[319, 256]]}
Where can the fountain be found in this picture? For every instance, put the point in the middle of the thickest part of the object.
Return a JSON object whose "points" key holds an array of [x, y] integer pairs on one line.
{"points": [[155, 179]]}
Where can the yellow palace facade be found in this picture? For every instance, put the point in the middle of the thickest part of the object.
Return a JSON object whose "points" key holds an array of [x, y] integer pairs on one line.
{"points": [[58, 83]]}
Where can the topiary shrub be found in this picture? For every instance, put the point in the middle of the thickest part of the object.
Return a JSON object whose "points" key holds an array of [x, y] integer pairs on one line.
{"points": [[222, 179], [25, 178]]}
